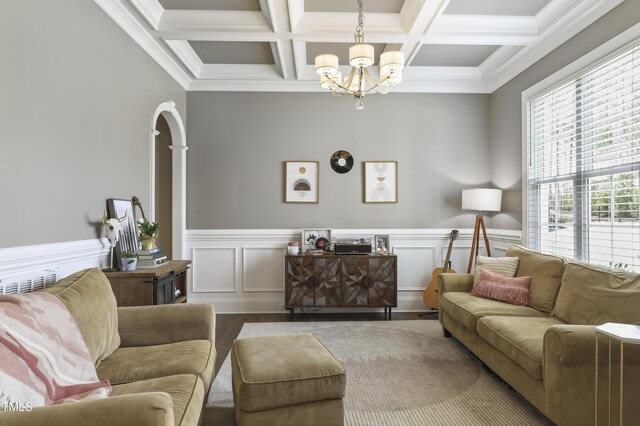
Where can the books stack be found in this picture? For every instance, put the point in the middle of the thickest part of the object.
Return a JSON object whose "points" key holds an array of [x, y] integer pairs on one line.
{"points": [[151, 258]]}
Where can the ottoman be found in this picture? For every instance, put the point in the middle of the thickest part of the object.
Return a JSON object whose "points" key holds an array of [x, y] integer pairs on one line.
{"points": [[287, 379]]}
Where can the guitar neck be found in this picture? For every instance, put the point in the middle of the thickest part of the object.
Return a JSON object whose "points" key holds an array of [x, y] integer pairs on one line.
{"points": [[447, 261]]}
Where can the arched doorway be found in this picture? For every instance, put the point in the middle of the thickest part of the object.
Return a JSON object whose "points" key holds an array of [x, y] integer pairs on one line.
{"points": [[168, 134]]}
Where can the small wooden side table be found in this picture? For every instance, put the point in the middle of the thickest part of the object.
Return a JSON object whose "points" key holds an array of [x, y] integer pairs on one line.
{"points": [[621, 333], [151, 286]]}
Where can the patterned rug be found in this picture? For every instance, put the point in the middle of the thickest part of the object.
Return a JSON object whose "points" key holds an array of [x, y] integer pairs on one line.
{"points": [[398, 373]]}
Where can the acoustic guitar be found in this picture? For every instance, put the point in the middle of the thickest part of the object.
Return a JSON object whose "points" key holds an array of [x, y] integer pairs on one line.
{"points": [[430, 295]]}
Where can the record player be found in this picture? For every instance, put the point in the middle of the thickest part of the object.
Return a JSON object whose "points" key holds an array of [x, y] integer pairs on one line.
{"points": [[353, 248]]}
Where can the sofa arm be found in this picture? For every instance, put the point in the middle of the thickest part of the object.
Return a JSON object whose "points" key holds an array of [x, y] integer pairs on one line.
{"points": [[454, 282], [569, 373], [160, 324], [151, 408]]}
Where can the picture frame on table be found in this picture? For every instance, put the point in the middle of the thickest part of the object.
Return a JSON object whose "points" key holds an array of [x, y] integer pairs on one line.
{"points": [[315, 239], [380, 184], [301, 182], [378, 241], [128, 240]]}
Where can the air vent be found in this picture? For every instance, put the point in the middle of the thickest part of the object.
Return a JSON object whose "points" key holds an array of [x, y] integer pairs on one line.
{"points": [[28, 281]]}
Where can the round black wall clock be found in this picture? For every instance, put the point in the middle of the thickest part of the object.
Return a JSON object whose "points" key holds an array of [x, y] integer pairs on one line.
{"points": [[341, 161]]}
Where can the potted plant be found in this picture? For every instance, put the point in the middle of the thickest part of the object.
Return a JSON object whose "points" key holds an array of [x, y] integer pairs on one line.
{"points": [[148, 233], [128, 261]]}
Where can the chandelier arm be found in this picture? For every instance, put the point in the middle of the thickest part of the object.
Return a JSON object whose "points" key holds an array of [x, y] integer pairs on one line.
{"points": [[374, 84]]}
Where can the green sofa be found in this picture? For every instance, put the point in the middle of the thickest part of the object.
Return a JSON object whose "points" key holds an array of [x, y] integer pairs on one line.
{"points": [[159, 359], [546, 351]]}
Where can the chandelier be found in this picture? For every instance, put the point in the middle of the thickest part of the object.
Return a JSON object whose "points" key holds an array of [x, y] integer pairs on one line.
{"points": [[359, 82]]}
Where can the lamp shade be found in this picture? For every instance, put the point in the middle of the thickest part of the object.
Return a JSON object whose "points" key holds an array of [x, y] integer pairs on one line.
{"points": [[482, 199], [392, 60], [326, 64], [361, 55]]}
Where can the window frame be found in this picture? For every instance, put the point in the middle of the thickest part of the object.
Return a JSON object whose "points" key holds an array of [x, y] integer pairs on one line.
{"points": [[573, 71]]}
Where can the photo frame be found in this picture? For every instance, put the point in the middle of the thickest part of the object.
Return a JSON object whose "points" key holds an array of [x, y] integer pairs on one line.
{"points": [[310, 237], [128, 240], [301, 182], [380, 181], [378, 241]]}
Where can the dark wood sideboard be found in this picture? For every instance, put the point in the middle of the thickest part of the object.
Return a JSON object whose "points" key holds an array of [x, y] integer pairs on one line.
{"points": [[154, 286], [341, 281]]}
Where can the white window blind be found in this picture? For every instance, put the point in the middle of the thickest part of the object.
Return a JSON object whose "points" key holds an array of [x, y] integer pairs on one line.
{"points": [[584, 165]]}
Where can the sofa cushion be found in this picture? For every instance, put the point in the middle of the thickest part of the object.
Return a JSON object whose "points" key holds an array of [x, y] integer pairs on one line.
{"points": [[186, 391], [513, 290], [88, 296], [283, 370], [468, 309], [594, 295], [505, 266], [545, 271], [132, 364], [519, 338]]}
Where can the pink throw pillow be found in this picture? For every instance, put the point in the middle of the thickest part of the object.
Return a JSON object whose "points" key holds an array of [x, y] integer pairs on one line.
{"points": [[498, 287]]}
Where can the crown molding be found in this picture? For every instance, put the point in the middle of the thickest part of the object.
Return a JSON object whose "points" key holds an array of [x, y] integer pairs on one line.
{"points": [[125, 19]]}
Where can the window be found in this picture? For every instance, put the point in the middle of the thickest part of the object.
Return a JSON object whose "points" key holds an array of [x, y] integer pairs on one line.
{"points": [[584, 165]]}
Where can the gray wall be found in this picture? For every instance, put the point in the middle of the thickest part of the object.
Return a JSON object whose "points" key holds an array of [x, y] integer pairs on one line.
{"points": [[75, 90], [238, 141], [506, 111]]}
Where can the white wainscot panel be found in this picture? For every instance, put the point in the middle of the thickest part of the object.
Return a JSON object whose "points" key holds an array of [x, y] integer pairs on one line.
{"points": [[214, 270], [459, 257], [263, 269], [415, 264]]}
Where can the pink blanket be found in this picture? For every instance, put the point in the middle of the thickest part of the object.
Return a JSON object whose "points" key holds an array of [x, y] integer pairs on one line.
{"points": [[43, 357]]}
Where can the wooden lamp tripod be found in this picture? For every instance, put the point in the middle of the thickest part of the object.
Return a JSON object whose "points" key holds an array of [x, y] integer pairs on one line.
{"points": [[480, 199]]}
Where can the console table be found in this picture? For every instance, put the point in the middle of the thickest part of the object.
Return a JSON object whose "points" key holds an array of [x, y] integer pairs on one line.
{"points": [[151, 286], [341, 281]]}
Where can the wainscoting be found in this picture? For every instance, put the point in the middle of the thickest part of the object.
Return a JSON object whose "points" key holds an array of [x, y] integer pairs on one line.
{"points": [[242, 271], [63, 258]]}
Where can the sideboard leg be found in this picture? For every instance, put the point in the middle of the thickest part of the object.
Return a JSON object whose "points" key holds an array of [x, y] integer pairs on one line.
{"points": [[293, 317]]}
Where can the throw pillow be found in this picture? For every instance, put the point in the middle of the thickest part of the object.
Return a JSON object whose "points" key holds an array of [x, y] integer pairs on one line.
{"points": [[506, 266], [44, 358], [505, 289]]}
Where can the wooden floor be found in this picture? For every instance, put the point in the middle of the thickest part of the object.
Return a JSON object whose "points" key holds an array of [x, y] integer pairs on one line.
{"points": [[228, 326]]}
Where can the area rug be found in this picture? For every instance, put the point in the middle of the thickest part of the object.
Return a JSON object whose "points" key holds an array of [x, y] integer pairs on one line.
{"points": [[398, 373]]}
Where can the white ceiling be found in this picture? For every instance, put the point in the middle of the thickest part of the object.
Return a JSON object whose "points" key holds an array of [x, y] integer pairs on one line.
{"points": [[458, 46]]}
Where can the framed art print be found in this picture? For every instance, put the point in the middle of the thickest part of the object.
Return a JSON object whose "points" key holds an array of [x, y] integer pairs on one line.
{"points": [[381, 243], [380, 181], [315, 239], [301, 182]]}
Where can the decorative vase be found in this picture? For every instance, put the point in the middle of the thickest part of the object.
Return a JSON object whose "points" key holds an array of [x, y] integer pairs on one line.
{"points": [[148, 241], [128, 263]]}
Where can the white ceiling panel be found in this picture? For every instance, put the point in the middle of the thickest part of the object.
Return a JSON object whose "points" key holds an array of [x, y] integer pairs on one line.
{"points": [[370, 6], [496, 7], [250, 5], [233, 52], [452, 55], [450, 46]]}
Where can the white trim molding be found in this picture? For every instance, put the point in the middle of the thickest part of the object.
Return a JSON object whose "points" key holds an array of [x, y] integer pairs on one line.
{"points": [[68, 257], [242, 284], [179, 150]]}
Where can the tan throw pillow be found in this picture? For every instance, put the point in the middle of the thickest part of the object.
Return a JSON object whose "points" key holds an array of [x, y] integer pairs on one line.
{"points": [[498, 287], [505, 266]]}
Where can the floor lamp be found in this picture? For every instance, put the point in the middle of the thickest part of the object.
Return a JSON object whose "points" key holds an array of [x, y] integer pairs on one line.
{"points": [[480, 200]]}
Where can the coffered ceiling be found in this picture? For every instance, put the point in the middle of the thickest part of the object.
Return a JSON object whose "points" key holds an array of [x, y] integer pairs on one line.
{"points": [[458, 46]]}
